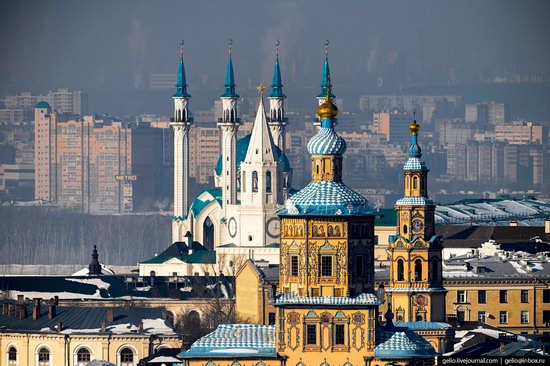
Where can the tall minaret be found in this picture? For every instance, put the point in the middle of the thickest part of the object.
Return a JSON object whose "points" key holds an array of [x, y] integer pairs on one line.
{"points": [[416, 283], [181, 123], [229, 125], [277, 119], [325, 81]]}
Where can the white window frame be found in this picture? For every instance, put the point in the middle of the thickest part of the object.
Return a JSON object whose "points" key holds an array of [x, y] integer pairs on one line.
{"points": [[458, 299], [522, 313], [78, 348]]}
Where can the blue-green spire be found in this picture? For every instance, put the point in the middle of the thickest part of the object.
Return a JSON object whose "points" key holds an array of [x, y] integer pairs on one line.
{"points": [[325, 80], [229, 81], [277, 84], [181, 85]]}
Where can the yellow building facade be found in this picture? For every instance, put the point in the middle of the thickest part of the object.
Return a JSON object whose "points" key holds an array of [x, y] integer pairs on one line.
{"points": [[34, 334]]}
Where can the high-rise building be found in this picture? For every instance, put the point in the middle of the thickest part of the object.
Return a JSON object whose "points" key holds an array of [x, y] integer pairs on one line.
{"points": [[521, 133], [487, 112], [392, 125], [92, 167]]}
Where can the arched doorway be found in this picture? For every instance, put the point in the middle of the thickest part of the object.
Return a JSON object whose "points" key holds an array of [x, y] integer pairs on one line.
{"points": [[208, 234]]}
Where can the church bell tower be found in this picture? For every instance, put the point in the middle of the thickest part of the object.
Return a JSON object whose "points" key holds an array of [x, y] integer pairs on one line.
{"points": [[416, 285]]}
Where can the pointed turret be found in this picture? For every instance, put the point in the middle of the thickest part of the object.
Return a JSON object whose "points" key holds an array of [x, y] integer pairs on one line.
{"points": [[277, 119], [277, 84], [229, 81], [181, 123], [229, 126], [181, 84], [94, 269], [325, 81], [261, 147]]}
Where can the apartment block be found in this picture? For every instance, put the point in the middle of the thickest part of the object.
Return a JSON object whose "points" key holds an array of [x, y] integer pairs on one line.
{"points": [[99, 168]]}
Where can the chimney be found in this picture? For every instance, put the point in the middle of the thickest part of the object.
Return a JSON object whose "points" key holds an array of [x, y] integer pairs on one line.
{"points": [[514, 222], [51, 311], [547, 226], [11, 309], [189, 242], [140, 327], [20, 299], [59, 327], [104, 327], [110, 315], [22, 311], [36, 308], [56, 300]]}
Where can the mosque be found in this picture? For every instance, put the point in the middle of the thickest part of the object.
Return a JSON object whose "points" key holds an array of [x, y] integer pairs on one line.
{"points": [[253, 179]]}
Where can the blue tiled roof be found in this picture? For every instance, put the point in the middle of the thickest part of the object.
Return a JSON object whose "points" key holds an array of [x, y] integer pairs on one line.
{"points": [[235, 340], [414, 163], [293, 299], [242, 148], [400, 342], [327, 198], [413, 200], [423, 325], [326, 142]]}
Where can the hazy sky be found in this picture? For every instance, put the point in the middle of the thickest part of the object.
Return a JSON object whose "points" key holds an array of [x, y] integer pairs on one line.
{"points": [[116, 45]]}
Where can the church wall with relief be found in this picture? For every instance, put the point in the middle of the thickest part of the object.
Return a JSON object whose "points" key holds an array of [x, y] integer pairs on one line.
{"points": [[313, 336]]}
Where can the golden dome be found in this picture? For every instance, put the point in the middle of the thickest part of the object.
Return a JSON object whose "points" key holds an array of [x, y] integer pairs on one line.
{"points": [[327, 109], [414, 127]]}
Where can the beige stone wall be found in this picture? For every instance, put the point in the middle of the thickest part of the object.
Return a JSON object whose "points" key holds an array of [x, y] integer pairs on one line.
{"points": [[63, 348], [493, 306]]}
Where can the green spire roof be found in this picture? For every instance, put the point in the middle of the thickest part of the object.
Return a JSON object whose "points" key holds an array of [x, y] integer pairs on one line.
{"points": [[277, 85], [325, 81], [229, 81], [181, 85]]}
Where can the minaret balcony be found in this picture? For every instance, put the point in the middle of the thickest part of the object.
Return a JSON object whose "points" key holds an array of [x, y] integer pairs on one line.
{"points": [[274, 120], [189, 119], [235, 120]]}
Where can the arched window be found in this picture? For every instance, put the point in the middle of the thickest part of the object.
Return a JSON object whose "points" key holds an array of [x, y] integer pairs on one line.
{"points": [[408, 182], [415, 182], [405, 229], [83, 356], [12, 356], [44, 357], [400, 270], [268, 182], [243, 182], [232, 115], [127, 357], [208, 234], [254, 181], [422, 182], [418, 270]]}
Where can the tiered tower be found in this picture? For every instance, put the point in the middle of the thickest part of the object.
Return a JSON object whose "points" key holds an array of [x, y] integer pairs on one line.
{"points": [[229, 124], [181, 123], [277, 119], [416, 252]]}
